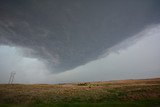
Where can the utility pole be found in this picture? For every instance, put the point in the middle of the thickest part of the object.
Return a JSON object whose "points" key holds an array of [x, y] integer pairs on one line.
{"points": [[11, 78]]}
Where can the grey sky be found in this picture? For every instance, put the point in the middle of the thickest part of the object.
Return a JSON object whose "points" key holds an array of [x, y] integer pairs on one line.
{"points": [[139, 60], [70, 40]]}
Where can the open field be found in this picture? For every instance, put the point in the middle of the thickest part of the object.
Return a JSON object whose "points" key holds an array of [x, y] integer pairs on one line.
{"points": [[133, 93]]}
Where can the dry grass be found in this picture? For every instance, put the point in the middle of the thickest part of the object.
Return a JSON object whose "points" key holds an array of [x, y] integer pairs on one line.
{"points": [[124, 90]]}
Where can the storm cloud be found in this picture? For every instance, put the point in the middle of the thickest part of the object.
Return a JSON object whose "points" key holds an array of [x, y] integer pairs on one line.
{"points": [[65, 34]]}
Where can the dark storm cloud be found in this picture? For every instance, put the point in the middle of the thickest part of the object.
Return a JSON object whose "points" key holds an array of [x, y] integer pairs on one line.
{"points": [[69, 33]]}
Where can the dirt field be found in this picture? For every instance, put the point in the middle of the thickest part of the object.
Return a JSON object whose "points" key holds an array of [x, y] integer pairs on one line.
{"points": [[146, 91]]}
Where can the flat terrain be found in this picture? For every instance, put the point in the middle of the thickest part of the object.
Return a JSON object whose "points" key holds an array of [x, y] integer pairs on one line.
{"points": [[136, 93]]}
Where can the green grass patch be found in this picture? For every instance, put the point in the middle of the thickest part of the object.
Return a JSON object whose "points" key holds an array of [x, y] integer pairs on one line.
{"points": [[143, 103]]}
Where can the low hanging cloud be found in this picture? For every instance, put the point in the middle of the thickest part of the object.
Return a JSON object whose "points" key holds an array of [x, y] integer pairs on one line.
{"points": [[137, 60], [67, 34]]}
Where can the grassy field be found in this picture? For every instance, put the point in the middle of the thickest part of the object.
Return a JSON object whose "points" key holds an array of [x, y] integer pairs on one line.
{"points": [[122, 93]]}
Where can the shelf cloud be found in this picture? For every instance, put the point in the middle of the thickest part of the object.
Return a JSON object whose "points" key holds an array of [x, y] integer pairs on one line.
{"points": [[66, 34]]}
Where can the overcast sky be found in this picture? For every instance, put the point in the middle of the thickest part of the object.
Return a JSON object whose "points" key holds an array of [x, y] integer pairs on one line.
{"points": [[55, 41]]}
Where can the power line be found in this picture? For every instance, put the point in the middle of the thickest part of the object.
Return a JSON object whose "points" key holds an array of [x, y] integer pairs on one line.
{"points": [[11, 78]]}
